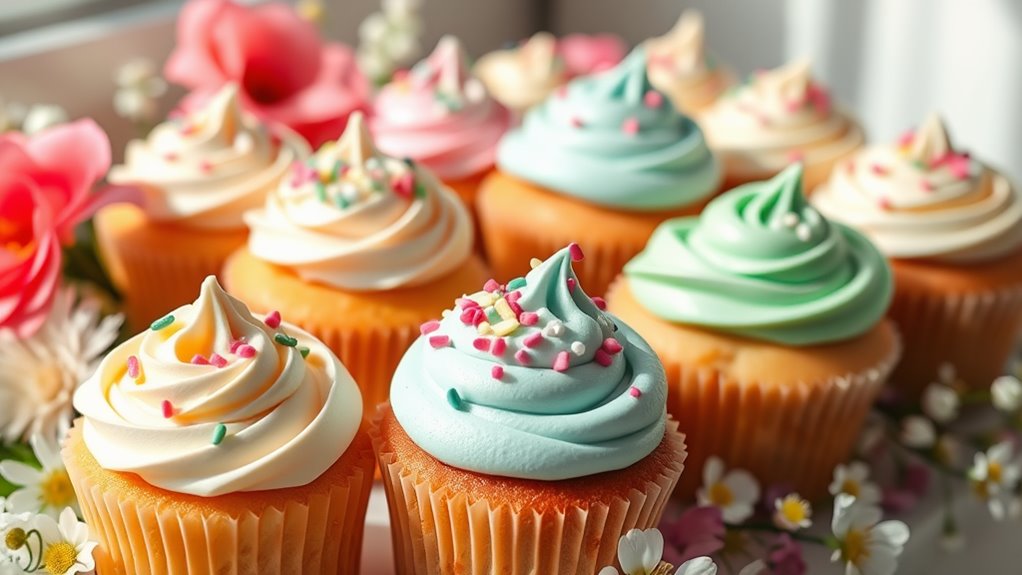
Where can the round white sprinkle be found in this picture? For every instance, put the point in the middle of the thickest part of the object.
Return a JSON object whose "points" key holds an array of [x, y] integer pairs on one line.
{"points": [[803, 232], [578, 348], [554, 328], [790, 219], [535, 262]]}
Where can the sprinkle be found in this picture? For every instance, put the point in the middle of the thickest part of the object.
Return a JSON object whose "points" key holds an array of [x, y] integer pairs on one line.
{"points": [[320, 192], [404, 185], [926, 185], [505, 327], [634, 392], [341, 202], [878, 169], [429, 327], [803, 232], [790, 219], [168, 409], [438, 341], [420, 190], [554, 328], [484, 328], [562, 92], [134, 368], [611, 346], [522, 357], [170, 156], [516, 283], [603, 358], [850, 167], [578, 348], [464, 302], [272, 319], [236, 343], [533, 339], [481, 343], [497, 372], [485, 298], [491, 285], [246, 351], [217, 360], [304, 351], [284, 339], [653, 99], [528, 318], [884, 204], [161, 323], [576, 122], [534, 262], [454, 399], [600, 303], [513, 297], [199, 359], [561, 361], [219, 434], [504, 309], [796, 156], [571, 284], [498, 347], [206, 166], [468, 316], [906, 139], [630, 126], [576, 252], [513, 304]]}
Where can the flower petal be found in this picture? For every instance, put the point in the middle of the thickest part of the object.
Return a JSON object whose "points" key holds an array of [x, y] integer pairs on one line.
{"points": [[698, 566], [630, 549], [19, 473], [712, 470]]}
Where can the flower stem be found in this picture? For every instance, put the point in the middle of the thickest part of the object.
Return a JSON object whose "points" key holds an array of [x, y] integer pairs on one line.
{"points": [[768, 528]]}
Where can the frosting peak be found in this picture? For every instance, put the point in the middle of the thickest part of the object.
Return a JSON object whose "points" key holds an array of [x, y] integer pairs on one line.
{"points": [[232, 403], [532, 379], [683, 47], [523, 76], [761, 263], [355, 219], [930, 144], [612, 139]]}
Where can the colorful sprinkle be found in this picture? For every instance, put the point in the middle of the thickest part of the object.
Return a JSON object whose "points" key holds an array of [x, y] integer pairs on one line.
{"points": [[162, 323], [491, 285], [576, 253], [484, 328], [236, 343], [320, 192], [576, 122], [534, 262], [497, 372], [926, 186], [562, 92], [465, 303], [246, 351], [498, 347], [850, 167], [199, 359], [219, 433], [438, 341], [578, 348], [533, 339], [516, 283], [522, 357], [217, 360], [504, 309], [168, 409], [304, 351], [554, 328], [284, 339], [603, 358], [272, 319], [630, 126], [796, 156], [635, 392], [206, 166], [600, 303], [404, 185], [571, 284], [879, 170], [561, 362], [905, 139], [430, 326], [454, 399], [505, 327], [134, 368], [611, 346], [653, 99], [803, 232], [528, 318], [884, 204], [170, 157], [481, 343]]}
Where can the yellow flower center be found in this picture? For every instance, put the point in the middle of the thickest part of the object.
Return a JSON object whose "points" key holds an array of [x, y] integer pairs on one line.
{"points": [[981, 489], [794, 510], [851, 487], [48, 380], [56, 490], [59, 558], [994, 472], [854, 549], [16, 538], [721, 495]]}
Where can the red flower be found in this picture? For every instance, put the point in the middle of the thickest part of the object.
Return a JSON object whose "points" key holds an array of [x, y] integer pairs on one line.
{"points": [[285, 72], [46, 186]]}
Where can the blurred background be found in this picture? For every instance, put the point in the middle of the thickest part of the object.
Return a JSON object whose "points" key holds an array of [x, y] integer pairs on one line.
{"points": [[889, 61]]}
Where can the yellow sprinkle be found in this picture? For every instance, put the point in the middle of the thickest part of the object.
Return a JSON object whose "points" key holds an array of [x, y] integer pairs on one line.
{"points": [[485, 328], [483, 298], [535, 262], [445, 313], [505, 327], [504, 309]]}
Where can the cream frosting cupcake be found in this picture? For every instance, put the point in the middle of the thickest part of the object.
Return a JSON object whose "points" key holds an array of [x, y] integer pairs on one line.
{"points": [[680, 68], [523, 76]]}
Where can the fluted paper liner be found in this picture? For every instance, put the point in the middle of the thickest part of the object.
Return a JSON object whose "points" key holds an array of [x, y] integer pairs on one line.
{"points": [[314, 529], [470, 523]]}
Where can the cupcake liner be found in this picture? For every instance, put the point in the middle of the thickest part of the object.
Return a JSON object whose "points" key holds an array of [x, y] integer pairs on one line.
{"points": [[783, 434], [975, 332], [142, 529], [447, 529]]}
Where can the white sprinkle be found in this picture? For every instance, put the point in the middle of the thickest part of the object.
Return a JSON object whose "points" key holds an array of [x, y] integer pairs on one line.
{"points": [[373, 163], [803, 232], [445, 313], [790, 219], [349, 191], [578, 348], [554, 328], [535, 262]]}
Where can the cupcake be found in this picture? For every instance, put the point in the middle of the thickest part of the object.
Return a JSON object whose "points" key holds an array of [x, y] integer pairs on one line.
{"points": [[680, 68], [523, 76], [776, 118], [439, 116], [952, 229], [359, 249], [605, 160], [198, 175], [526, 433], [214, 443], [770, 323]]}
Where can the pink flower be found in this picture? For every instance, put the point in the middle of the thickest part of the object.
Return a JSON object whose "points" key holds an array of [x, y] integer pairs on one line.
{"points": [[914, 484], [585, 54], [786, 557], [285, 72], [696, 532], [46, 186]]}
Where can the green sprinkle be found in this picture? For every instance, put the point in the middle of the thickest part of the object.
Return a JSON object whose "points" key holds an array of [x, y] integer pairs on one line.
{"points": [[284, 339], [408, 162], [341, 201], [162, 323], [492, 316], [515, 284], [420, 190], [376, 185], [219, 434], [320, 191], [304, 351], [920, 165], [454, 399], [336, 172]]}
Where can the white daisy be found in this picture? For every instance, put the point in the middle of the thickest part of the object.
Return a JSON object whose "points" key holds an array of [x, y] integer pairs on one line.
{"points": [[995, 475], [66, 548], [735, 492], [866, 545], [1006, 393], [940, 402], [46, 491], [41, 373], [792, 513], [918, 432], [640, 552], [853, 479], [139, 88]]}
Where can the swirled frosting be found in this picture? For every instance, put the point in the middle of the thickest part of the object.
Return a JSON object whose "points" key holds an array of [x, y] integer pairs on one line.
{"points": [[354, 219], [777, 117], [206, 169], [919, 198], [523, 76], [532, 380], [612, 139], [761, 263], [210, 401], [680, 67], [440, 116]]}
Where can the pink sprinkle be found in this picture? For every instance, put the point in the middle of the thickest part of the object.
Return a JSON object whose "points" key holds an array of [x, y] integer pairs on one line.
{"points": [[467, 316], [562, 92], [498, 347], [850, 167], [168, 409], [429, 327], [906, 138], [533, 339], [513, 297], [603, 358], [236, 343], [561, 361], [513, 304], [653, 99], [465, 303], [217, 360], [481, 343], [926, 186], [170, 157], [491, 285], [478, 317], [634, 392], [205, 166], [630, 126], [199, 359], [133, 367], [272, 319], [796, 156], [528, 318], [497, 372], [793, 105], [600, 303], [660, 61], [576, 122], [576, 252], [246, 351], [878, 170], [404, 185], [571, 284], [884, 203], [959, 167], [522, 357], [438, 341], [611, 346], [819, 98]]}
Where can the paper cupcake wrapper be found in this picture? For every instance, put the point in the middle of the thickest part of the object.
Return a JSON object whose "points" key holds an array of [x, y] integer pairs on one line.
{"points": [[783, 434], [138, 535], [441, 530], [974, 332]]}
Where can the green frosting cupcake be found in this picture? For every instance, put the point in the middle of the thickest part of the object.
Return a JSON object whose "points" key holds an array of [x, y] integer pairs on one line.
{"points": [[760, 262]]}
